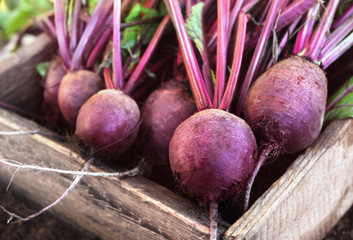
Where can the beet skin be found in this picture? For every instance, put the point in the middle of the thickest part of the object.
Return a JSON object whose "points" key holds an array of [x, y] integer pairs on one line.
{"points": [[163, 111], [109, 120], [75, 89], [212, 154], [286, 105], [56, 72]]}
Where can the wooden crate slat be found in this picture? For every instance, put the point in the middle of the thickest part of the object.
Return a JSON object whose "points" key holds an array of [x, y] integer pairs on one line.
{"points": [[313, 194], [133, 208], [20, 84]]}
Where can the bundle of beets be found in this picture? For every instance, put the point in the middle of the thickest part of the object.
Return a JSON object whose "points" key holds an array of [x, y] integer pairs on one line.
{"points": [[215, 155], [261, 91]]}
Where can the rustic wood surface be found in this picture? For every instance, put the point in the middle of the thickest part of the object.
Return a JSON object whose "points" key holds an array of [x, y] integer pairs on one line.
{"points": [[44, 227], [313, 194], [20, 84], [134, 208], [343, 230]]}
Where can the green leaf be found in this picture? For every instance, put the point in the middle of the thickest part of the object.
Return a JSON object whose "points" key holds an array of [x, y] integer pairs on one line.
{"points": [[343, 108], [42, 68], [213, 76], [19, 18], [194, 25], [162, 9], [92, 5], [14, 19], [11, 4], [132, 34]]}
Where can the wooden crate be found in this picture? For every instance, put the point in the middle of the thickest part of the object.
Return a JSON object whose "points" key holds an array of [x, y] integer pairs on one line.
{"points": [[304, 203]]}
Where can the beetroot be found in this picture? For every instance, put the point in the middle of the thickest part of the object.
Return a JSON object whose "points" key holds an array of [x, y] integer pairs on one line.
{"points": [[109, 120], [163, 111], [56, 72], [75, 89], [285, 106], [212, 154]]}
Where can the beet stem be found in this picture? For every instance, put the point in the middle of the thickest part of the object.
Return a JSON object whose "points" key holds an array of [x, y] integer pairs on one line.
{"points": [[136, 74], [343, 18], [263, 157], [265, 12], [98, 47], [336, 52], [318, 39], [306, 31], [197, 84], [336, 36], [294, 11], [213, 220], [289, 14], [97, 20], [50, 26], [74, 37], [234, 15], [283, 42], [256, 59], [117, 62], [61, 32], [237, 60], [250, 4], [107, 79], [222, 47]]}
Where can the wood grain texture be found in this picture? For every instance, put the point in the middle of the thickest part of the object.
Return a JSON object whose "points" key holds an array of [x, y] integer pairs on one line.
{"points": [[20, 84], [134, 208], [313, 194]]}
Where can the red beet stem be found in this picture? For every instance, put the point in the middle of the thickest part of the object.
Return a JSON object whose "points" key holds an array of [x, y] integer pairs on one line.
{"points": [[61, 32], [313, 49], [237, 59], [136, 74], [117, 62], [260, 47], [222, 47], [307, 29], [196, 80], [74, 37], [100, 14]]}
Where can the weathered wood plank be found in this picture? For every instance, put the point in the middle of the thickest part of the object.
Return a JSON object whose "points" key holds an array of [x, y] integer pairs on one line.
{"points": [[313, 194], [20, 84], [134, 208]]}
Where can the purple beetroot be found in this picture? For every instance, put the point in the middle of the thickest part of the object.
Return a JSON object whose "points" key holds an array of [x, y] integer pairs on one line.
{"points": [[108, 120], [56, 72], [75, 88], [163, 111], [286, 105], [212, 154]]}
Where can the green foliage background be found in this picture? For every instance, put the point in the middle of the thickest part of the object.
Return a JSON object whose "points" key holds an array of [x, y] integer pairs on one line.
{"points": [[16, 14]]}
